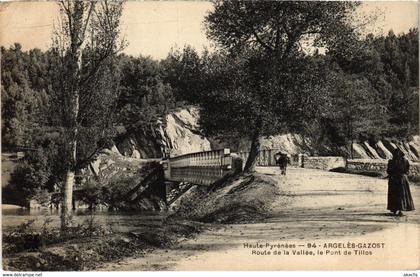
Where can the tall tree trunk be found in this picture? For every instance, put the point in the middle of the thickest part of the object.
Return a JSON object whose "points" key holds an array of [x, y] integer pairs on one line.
{"points": [[351, 139], [251, 162], [67, 206], [77, 19], [75, 67], [66, 209]]}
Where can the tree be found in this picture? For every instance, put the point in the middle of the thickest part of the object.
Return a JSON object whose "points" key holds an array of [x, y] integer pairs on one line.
{"points": [[84, 48], [23, 101], [183, 71], [32, 175], [144, 97], [353, 108], [270, 43], [390, 65]]}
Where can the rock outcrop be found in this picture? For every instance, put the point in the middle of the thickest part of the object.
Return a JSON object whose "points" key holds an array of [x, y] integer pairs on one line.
{"points": [[179, 134], [287, 143], [296, 144], [111, 162], [383, 149]]}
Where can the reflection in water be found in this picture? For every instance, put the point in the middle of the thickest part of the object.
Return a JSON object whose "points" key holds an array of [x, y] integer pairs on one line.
{"points": [[117, 220], [48, 212]]}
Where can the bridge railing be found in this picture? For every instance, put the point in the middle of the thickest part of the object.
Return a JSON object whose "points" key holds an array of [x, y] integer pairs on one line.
{"points": [[200, 168]]}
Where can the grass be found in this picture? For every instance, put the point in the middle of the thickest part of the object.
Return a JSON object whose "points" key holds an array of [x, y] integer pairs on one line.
{"points": [[85, 246]]}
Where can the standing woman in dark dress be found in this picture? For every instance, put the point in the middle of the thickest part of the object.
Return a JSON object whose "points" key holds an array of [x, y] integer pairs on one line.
{"points": [[399, 196]]}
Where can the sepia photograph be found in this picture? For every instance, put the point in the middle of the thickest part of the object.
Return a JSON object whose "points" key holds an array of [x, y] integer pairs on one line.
{"points": [[220, 135]]}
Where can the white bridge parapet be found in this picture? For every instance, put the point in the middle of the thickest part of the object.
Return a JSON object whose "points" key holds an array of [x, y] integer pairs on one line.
{"points": [[203, 168]]}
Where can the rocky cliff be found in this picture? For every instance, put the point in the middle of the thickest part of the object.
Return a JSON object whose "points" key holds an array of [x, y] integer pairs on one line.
{"points": [[287, 143], [178, 134]]}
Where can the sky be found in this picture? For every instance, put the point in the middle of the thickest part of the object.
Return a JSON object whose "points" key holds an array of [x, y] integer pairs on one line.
{"points": [[152, 28]]}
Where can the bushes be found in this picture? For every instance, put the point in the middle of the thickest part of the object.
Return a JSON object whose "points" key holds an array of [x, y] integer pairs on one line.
{"points": [[87, 245], [115, 191], [25, 238], [22, 238], [92, 194], [36, 175]]}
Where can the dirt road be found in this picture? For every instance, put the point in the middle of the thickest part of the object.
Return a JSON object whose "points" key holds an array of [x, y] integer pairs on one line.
{"points": [[316, 211]]}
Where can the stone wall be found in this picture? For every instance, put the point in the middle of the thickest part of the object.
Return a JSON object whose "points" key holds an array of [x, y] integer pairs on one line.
{"points": [[294, 144], [324, 163], [378, 165]]}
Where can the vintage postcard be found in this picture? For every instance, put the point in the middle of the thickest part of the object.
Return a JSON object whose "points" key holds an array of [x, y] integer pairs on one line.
{"points": [[209, 136]]}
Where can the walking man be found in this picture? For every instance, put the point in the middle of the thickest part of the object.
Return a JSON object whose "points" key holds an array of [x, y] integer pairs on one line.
{"points": [[282, 160]]}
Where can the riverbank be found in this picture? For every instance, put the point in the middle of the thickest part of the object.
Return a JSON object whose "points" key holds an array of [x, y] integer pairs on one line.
{"points": [[11, 207], [93, 244], [242, 198], [88, 246]]}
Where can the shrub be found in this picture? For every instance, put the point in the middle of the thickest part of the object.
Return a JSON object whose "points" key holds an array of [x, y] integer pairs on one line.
{"points": [[25, 237]]}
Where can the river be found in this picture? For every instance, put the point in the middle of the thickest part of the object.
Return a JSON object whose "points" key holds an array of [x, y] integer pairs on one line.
{"points": [[117, 220]]}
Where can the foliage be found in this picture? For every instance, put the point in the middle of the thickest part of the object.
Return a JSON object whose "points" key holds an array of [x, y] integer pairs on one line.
{"points": [[85, 78], [78, 253], [390, 65], [24, 94], [145, 98], [42, 196], [26, 237], [279, 28], [91, 193], [116, 190], [183, 71], [38, 173], [85, 84], [361, 88], [29, 177], [353, 110]]}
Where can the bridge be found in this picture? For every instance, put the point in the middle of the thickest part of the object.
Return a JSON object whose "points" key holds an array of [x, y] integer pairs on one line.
{"points": [[176, 175], [202, 168], [158, 177], [205, 168]]}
